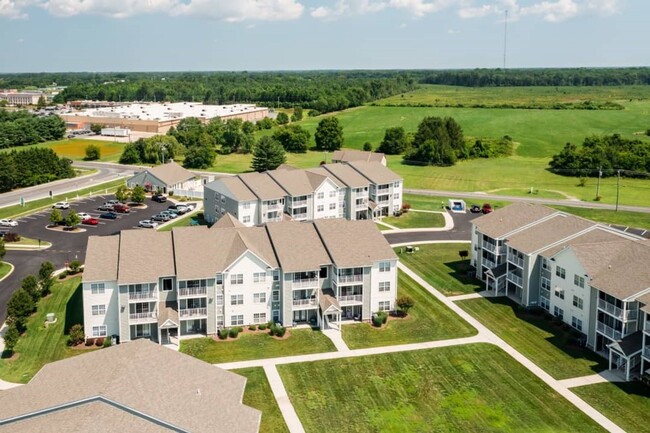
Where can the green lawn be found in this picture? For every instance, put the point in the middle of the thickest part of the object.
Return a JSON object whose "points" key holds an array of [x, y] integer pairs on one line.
{"points": [[440, 265], [75, 148], [28, 242], [257, 346], [537, 338], [185, 221], [258, 395], [40, 345], [428, 320], [4, 269], [624, 218], [626, 404], [471, 388], [412, 220], [428, 202]]}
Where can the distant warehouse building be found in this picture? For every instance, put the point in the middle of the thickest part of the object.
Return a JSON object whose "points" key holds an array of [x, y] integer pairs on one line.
{"points": [[20, 98], [159, 117]]}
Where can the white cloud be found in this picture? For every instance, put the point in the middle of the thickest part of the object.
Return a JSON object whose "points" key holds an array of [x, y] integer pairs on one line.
{"points": [[13, 9], [549, 10], [347, 8], [604, 7], [421, 7], [553, 11], [242, 10], [453, 32], [110, 8]]}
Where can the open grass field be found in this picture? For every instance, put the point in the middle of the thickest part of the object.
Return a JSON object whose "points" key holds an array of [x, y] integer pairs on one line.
{"points": [[4, 269], [413, 220], [257, 346], [75, 149], [428, 320], [441, 266], [537, 338], [40, 345], [626, 404], [471, 388], [258, 395], [624, 218]]}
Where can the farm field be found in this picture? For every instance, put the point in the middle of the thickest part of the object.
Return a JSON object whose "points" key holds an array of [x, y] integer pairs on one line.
{"points": [[470, 388], [75, 149]]}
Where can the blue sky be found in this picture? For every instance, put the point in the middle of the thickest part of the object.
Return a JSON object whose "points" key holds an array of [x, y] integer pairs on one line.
{"points": [[171, 35]]}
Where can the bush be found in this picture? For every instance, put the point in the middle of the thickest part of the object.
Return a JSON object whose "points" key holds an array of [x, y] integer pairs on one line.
{"points": [[280, 331], [252, 328], [223, 333], [90, 342], [93, 152], [76, 335], [75, 267], [108, 342], [11, 337], [99, 341], [377, 321], [406, 207], [405, 303], [261, 326], [20, 307], [12, 237], [233, 333]]}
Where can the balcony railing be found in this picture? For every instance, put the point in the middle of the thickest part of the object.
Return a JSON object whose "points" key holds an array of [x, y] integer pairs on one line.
{"points": [[304, 303], [143, 296], [299, 216], [277, 218], [490, 247], [362, 205], [356, 278], [193, 291], [298, 203], [646, 327], [489, 263], [609, 331], [516, 260], [383, 201], [545, 293], [646, 352], [276, 206], [350, 299], [616, 311], [142, 317], [305, 282], [515, 279], [192, 312]]}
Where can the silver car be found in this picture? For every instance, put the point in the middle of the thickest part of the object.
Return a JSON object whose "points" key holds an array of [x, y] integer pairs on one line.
{"points": [[148, 224]]}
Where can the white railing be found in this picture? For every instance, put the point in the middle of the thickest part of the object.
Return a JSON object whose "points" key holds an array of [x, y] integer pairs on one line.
{"points": [[516, 279], [274, 206], [138, 296], [489, 263], [362, 205], [355, 278], [616, 311], [305, 303], [350, 299], [516, 260], [192, 312], [609, 331], [274, 219], [383, 201], [646, 327], [306, 282], [299, 216], [193, 291], [646, 352], [490, 247], [299, 203], [545, 293], [142, 317]]}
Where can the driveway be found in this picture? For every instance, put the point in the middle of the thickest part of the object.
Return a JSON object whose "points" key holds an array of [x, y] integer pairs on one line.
{"points": [[461, 231]]}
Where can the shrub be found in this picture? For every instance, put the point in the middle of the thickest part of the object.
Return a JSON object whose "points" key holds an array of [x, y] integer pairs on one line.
{"points": [[280, 331], [223, 333], [20, 307], [99, 341], [233, 333], [93, 152], [261, 326], [76, 335], [239, 329], [75, 267], [367, 147], [11, 337], [405, 303], [252, 328], [90, 342], [406, 207], [377, 320], [12, 237], [108, 342]]}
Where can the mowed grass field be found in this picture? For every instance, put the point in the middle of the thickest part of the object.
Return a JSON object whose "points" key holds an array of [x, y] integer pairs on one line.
{"points": [[75, 149], [470, 388], [258, 394]]}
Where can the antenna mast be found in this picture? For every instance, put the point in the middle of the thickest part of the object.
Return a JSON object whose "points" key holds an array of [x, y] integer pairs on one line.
{"points": [[505, 40]]}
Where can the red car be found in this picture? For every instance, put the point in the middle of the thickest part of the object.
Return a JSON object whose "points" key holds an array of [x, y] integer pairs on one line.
{"points": [[486, 208], [90, 221], [121, 208]]}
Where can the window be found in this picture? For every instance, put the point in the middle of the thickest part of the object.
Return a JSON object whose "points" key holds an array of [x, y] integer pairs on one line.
{"points": [[396, 196], [577, 302], [259, 317], [142, 330], [545, 264], [97, 288], [332, 206], [247, 205], [223, 199], [546, 283], [236, 299], [384, 266], [320, 208], [237, 320], [219, 279], [396, 185], [237, 279], [384, 305], [246, 219], [321, 195], [220, 323], [276, 295], [219, 299], [99, 310], [259, 298], [558, 312], [384, 286], [579, 281], [276, 276], [216, 196], [332, 194], [576, 323], [322, 273], [259, 277], [276, 315], [545, 303], [167, 284], [99, 331], [559, 292], [560, 272]]}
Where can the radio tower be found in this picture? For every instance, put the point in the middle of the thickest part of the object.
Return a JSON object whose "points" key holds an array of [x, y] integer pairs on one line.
{"points": [[505, 40]]}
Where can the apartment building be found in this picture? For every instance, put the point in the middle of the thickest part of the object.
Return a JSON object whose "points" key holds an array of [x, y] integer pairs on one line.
{"points": [[591, 276], [351, 155], [195, 280], [355, 191]]}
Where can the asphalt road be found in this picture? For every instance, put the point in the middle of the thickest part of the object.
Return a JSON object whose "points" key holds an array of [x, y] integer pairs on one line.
{"points": [[460, 232]]}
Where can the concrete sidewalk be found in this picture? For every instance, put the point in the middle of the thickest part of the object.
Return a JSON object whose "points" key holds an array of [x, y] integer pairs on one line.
{"points": [[337, 339], [602, 377]]}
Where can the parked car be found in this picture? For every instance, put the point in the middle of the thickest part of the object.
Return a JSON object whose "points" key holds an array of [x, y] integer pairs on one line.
{"points": [[182, 208], [148, 224], [84, 215], [113, 202], [3, 233], [8, 222], [486, 208], [121, 208], [174, 210], [108, 215], [159, 198], [170, 214], [61, 205], [90, 221], [160, 217], [106, 207], [475, 208]]}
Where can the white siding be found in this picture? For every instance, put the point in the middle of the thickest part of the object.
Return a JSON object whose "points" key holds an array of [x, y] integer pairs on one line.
{"points": [[375, 278], [330, 199], [110, 299]]}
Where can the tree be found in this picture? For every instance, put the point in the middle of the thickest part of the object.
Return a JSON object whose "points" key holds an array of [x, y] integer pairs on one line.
{"points": [[463, 254], [93, 152], [122, 193], [367, 146], [282, 118], [20, 307], [73, 219], [30, 285], [297, 113], [56, 217], [293, 138], [405, 303], [41, 103], [199, 157], [137, 194], [96, 128], [76, 335], [329, 134], [268, 155], [395, 141], [46, 281], [130, 154], [11, 337]]}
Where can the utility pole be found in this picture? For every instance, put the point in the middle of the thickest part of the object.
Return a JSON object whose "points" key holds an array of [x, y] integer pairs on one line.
{"points": [[618, 186], [600, 174]]}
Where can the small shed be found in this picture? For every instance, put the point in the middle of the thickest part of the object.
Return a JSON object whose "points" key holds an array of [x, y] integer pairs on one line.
{"points": [[457, 205]]}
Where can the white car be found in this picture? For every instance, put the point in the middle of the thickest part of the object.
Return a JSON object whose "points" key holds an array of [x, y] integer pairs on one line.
{"points": [[84, 215], [148, 224], [8, 222], [61, 205]]}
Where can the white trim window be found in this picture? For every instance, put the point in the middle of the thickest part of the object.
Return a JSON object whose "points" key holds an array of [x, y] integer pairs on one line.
{"points": [[576, 323], [332, 206], [320, 208], [236, 279], [578, 302], [97, 288], [99, 331], [321, 195], [219, 299], [560, 272], [545, 303], [384, 266], [384, 286], [558, 312], [220, 323], [332, 194], [246, 219], [275, 295], [99, 310], [384, 305], [259, 277], [559, 292], [237, 320], [259, 298], [396, 196], [236, 299], [246, 205], [259, 317], [579, 281]]}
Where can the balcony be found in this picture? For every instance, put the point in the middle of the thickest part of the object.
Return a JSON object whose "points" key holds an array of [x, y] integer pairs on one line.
{"points": [[304, 303], [518, 261], [545, 293], [192, 312], [646, 327], [277, 206], [298, 203], [615, 311], [350, 299], [299, 216], [489, 263], [490, 247], [273, 219], [305, 282], [646, 352], [383, 200], [515, 279], [362, 205], [142, 317], [150, 295], [609, 331], [356, 278], [193, 291]]}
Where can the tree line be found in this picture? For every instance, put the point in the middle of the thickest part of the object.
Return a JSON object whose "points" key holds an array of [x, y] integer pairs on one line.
{"points": [[20, 128], [33, 166]]}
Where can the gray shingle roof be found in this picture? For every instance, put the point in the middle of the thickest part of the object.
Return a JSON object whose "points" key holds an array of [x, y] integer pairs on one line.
{"points": [[228, 220], [346, 174], [145, 256], [376, 172], [297, 246], [238, 189], [262, 186], [101, 258], [170, 173], [550, 231], [510, 218], [627, 273], [349, 155]]}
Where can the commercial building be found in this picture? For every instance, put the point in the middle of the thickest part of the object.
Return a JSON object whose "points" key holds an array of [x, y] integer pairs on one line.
{"points": [[168, 178], [355, 191], [129, 388], [591, 276], [195, 280], [13, 97], [159, 117]]}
